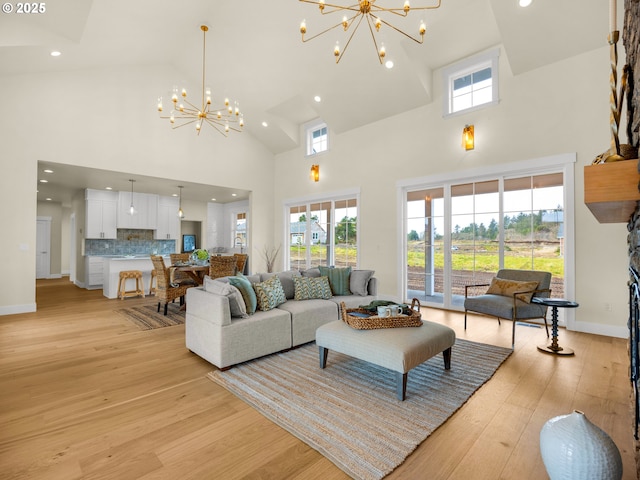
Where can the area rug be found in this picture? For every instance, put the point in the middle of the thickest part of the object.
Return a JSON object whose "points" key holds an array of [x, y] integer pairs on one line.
{"points": [[349, 411], [147, 317]]}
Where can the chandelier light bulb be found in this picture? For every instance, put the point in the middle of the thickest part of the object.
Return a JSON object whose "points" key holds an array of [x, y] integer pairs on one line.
{"points": [[423, 28], [159, 104], [382, 52], [321, 5], [184, 93], [198, 125], [378, 24], [174, 95], [336, 51], [241, 123], [345, 23], [303, 27], [226, 127], [208, 95], [407, 7], [172, 118]]}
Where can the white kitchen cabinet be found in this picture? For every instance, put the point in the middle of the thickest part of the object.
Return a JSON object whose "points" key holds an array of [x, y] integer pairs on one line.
{"points": [[94, 272], [100, 214], [146, 211], [168, 227]]}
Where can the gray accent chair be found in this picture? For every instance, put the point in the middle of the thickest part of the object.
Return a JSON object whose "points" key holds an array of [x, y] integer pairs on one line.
{"points": [[510, 308]]}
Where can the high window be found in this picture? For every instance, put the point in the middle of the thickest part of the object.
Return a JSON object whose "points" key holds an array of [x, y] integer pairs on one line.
{"points": [[472, 83], [239, 230], [322, 232], [317, 138]]}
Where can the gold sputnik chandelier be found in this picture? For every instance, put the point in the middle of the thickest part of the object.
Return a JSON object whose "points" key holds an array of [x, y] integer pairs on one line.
{"points": [[223, 118], [365, 9]]}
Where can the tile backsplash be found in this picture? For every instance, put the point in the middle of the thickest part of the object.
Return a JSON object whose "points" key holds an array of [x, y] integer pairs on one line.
{"points": [[129, 242]]}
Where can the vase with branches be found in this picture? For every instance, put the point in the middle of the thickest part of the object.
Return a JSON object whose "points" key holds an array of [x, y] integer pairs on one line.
{"points": [[269, 254]]}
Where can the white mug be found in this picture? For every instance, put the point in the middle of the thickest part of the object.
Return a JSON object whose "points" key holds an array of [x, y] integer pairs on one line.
{"points": [[395, 310], [384, 311]]}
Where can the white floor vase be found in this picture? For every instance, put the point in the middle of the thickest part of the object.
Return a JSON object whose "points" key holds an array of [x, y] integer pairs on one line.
{"points": [[574, 448]]}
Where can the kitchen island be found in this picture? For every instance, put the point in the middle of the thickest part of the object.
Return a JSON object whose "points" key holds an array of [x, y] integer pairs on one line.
{"points": [[114, 265]]}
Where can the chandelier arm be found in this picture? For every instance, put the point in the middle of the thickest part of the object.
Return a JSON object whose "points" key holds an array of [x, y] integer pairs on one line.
{"points": [[215, 127], [185, 123], [400, 11], [373, 37], [321, 33], [420, 40], [334, 8], [349, 41]]}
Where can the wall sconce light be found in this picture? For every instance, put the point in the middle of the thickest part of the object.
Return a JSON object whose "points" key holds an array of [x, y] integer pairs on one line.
{"points": [[315, 172], [468, 137]]}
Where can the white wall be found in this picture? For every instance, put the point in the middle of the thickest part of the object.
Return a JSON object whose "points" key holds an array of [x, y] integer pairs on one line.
{"points": [[107, 119], [561, 108]]}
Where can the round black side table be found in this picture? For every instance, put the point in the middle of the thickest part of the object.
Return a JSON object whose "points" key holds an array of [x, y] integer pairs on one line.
{"points": [[554, 303]]}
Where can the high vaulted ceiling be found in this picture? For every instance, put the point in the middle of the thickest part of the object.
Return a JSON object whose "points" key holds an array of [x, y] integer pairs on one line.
{"points": [[255, 55]]}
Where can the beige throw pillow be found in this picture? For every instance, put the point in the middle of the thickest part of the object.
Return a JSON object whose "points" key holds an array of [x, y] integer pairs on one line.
{"points": [[507, 288]]}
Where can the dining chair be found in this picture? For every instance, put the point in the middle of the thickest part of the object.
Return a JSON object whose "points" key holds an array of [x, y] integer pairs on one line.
{"points": [[241, 261], [165, 291], [222, 266]]}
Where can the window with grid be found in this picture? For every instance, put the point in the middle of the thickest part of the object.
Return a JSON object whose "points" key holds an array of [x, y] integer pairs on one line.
{"points": [[322, 233], [317, 138], [472, 83]]}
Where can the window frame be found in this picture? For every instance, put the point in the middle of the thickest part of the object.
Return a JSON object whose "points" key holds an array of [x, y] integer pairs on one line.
{"points": [[351, 194], [309, 129], [468, 66]]}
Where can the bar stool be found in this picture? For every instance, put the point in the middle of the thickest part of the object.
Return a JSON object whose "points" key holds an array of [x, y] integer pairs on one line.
{"points": [[152, 287], [122, 284]]}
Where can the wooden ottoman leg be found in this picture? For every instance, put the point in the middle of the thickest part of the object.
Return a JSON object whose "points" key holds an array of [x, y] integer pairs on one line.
{"points": [[401, 386], [323, 356], [447, 358]]}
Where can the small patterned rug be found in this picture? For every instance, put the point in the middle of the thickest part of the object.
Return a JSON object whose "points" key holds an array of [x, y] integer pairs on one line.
{"points": [[147, 317], [349, 412]]}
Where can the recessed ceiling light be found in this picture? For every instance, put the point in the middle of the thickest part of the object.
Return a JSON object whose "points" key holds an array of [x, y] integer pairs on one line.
{"points": [[213, 199], [234, 194], [48, 171], [174, 194], [265, 124], [317, 98], [48, 199], [524, 3], [388, 64], [55, 53], [44, 181], [108, 188]]}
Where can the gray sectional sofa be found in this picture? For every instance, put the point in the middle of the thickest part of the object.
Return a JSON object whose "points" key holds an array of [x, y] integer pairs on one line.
{"points": [[218, 331]]}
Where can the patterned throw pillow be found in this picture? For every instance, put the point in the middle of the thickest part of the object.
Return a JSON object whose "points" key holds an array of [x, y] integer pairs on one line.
{"points": [[338, 279], [270, 294], [311, 287], [507, 288], [248, 294]]}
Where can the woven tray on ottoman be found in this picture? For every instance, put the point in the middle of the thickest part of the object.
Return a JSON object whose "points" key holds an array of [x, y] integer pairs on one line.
{"points": [[371, 322]]}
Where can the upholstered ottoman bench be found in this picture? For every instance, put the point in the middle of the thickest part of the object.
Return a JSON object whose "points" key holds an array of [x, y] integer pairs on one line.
{"points": [[398, 349]]}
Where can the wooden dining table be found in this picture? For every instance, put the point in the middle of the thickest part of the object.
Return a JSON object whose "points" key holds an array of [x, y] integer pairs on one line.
{"points": [[196, 272]]}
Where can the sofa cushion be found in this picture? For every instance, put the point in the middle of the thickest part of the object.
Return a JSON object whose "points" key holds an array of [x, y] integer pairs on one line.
{"points": [[307, 288], [338, 279], [248, 293], [236, 302], [269, 294], [286, 279], [311, 272], [507, 288], [359, 282]]}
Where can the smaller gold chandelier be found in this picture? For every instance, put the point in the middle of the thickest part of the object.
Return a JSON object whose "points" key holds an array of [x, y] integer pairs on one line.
{"points": [[369, 10], [223, 118]]}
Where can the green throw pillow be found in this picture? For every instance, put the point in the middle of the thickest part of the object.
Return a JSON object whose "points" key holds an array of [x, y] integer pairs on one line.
{"points": [[248, 294], [338, 279], [307, 288], [270, 294]]}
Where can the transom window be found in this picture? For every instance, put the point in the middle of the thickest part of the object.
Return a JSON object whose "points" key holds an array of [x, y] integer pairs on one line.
{"points": [[317, 138], [472, 83]]}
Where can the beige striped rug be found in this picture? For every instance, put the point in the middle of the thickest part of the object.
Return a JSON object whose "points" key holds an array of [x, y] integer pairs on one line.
{"points": [[349, 411], [147, 317]]}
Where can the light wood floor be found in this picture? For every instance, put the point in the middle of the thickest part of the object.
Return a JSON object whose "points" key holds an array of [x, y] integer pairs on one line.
{"points": [[85, 394]]}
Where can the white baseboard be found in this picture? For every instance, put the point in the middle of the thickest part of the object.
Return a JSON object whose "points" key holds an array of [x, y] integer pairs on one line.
{"points": [[15, 309], [598, 329]]}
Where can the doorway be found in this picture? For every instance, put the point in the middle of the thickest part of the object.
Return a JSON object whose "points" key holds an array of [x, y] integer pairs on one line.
{"points": [[43, 247]]}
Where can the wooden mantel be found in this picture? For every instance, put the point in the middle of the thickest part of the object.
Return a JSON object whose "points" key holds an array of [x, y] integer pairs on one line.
{"points": [[611, 190]]}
